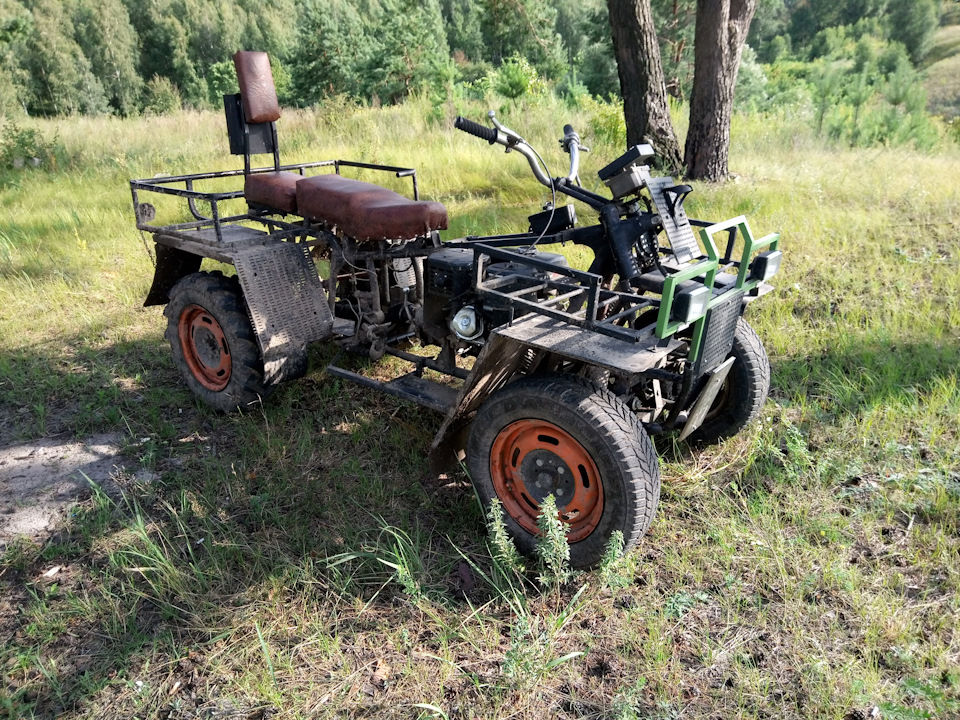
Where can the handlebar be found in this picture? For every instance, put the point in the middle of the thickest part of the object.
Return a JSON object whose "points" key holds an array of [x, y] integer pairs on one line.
{"points": [[512, 141]]}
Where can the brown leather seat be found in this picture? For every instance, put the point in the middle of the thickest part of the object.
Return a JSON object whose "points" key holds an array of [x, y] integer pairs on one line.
{"points": [[277, 190], [366, 211]]}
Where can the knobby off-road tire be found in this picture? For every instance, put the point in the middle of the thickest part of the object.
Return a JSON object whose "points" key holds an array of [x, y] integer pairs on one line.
{"points": [[582, 445], [740, 400], [212, 341]]}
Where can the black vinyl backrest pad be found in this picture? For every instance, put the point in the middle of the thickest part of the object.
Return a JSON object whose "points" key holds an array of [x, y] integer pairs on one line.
{"points": [[261, 134]]}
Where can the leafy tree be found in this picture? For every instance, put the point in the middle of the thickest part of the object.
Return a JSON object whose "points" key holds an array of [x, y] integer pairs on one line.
{"points": [[162, 96], [913, 24], [461, 19], [411, 53], [333, 44], [675, 21], [751, 90], [575, 23], [596, 63], [526, 28], [515, 77], [15, 25], [809, 17], [102, 29], [222, 80], [62, 80], [269, 26], [165, 30]]}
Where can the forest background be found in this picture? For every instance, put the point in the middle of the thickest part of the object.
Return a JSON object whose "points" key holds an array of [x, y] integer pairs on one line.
{"points": [[857, 64]]}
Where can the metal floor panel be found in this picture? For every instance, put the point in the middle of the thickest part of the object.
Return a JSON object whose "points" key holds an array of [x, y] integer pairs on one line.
{"points": [[229, 234]]}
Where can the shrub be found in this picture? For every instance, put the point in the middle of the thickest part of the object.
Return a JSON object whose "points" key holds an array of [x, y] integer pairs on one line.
{"points": [[162, 97], [606, 120], [516, 77], [25, 147]]}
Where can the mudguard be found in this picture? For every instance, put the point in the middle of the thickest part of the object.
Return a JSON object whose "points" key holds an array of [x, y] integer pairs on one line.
{"points": [[172, 264]]}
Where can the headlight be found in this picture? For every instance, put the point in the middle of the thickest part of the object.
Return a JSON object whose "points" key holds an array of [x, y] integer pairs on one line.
{"points": [[467, 324], [690, 304], [766, 265]]}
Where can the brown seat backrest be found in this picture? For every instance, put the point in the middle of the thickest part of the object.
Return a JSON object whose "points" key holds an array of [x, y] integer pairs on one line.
{"points": [[252, 115], [257, 91]]}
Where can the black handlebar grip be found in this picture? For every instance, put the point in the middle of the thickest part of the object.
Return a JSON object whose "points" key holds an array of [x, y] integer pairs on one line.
{"points": [[569, 138], [476, 129]]}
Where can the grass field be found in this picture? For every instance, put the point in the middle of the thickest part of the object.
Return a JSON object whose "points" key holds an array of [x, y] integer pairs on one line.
{"points": [[806, 569]]}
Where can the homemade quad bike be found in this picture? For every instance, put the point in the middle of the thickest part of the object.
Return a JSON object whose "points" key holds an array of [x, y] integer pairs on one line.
{"points": [[551, 379]]}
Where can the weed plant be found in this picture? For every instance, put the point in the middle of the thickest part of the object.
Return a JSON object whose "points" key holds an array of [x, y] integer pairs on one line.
{"points": [[804, 569], [553, 550]]}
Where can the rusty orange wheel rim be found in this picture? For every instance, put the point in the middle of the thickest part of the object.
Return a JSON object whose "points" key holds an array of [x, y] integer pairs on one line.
{"points": [[205, 348], [531, 459]]}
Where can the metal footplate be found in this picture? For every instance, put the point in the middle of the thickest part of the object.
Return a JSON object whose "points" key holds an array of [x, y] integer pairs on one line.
{"points": [[287, 303], [674, 219]]}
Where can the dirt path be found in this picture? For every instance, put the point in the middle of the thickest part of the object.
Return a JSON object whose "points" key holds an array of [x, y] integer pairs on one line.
{"points": [[40, 480]]}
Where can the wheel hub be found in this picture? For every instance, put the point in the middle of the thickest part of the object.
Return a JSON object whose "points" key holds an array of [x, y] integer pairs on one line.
{"points": [[205, 348], [550, 475], [531, 459]]}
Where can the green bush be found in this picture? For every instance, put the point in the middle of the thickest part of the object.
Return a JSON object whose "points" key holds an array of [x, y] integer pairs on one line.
{"points": [[516, 77], [606, 120], [162, 97], [25, 147]]}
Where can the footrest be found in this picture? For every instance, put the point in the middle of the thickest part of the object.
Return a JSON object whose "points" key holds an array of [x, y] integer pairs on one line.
{"points": [[287, 303], [420, 390], [674, 219]]}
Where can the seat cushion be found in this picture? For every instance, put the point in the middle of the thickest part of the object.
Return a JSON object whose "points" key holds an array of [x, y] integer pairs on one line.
{"points": [[366, 211], [277, 190]]}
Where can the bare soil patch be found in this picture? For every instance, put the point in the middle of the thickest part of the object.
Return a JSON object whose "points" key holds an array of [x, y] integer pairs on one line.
{"points": [[40, 480]]}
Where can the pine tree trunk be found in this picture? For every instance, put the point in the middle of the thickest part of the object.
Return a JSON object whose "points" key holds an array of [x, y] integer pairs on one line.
{"points": [[722, 27], [642, 84]]}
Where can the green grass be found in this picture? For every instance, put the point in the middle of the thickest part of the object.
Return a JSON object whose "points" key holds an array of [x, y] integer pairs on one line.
{"points": [[302, 559]]}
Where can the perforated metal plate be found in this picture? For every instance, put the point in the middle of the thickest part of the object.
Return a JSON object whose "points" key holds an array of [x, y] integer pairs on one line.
{"points": [[676, 225], [718, 334], [287, 303]]}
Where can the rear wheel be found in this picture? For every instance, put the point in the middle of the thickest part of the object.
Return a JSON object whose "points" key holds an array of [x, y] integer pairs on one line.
{"points": [[744, 392], [565, 436], [212, 341]]}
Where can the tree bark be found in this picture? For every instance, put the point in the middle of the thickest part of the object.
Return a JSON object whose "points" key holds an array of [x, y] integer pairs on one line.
{"points": [[721, 32], [642, 85]]}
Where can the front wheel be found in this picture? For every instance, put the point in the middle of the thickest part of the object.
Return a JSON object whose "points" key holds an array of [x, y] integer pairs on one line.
{"points": [[565, 436], [743, 393], [213, 343]]}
